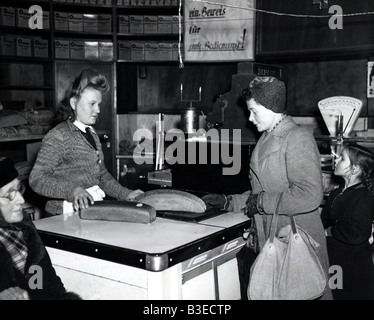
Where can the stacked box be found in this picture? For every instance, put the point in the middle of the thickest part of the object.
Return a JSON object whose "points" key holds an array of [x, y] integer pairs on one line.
{"points": [[23, 47], [165, 52], [90, 22], [8, 47], [167, 3], [8, 17], [77, 49], [165, 24], [151, 51], [137, 50], [160, 3], [150, 24], [91, 50], [40, 48], [174, 2], [153, 2], [62, 50], [175, 51], [75, 22], [175, 25], [104, 23], [106, 51], [123, 24], [136, 24], [46, 20], [124, 50], [61, 21], [23, 18]]}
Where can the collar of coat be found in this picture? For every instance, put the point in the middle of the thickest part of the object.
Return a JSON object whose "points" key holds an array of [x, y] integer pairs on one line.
{"points": [[283, 128]]}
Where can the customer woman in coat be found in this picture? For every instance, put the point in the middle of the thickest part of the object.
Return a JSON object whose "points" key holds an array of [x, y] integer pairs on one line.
{"points": [[284, 160]]}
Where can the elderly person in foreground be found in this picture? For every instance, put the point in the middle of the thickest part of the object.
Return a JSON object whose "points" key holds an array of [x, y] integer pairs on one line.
{"points": [[26, 271]]}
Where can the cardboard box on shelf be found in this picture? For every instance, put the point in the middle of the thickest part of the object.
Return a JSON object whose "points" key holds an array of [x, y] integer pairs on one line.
{"points": [[151, 51], [175, 24], [136, 24], [123, 24], [77, 49], [23, 47], [75, 22], [104, 23], [90, 22], [61, 21], [8, 16], [175, 51], [124, 50], [165, 52], [46, 20], [40, 48], [62, 50], [91, 50], [23, 17], [105, 50], [137, 51], [150, 24], [165, 24], [8, 46]]}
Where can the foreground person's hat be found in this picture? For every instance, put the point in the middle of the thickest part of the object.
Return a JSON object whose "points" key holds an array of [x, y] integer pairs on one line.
{"points": [[270, 92], [7, 171]]}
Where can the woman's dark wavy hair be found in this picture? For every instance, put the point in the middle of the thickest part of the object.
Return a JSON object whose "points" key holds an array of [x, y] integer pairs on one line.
{"points": [[364, 158], [88, 78]]}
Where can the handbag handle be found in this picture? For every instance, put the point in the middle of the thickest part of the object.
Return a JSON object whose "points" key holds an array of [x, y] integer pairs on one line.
{"points": [[274, 221]]}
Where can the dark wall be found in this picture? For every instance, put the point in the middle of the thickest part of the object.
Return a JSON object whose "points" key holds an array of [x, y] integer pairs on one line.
{"points": [[310, 82], [151, 88]]}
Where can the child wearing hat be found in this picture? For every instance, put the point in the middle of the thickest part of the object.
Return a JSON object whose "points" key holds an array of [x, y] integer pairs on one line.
{"points": [[26, 271]]}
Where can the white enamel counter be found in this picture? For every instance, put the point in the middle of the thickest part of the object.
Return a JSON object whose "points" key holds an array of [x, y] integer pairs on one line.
{"points": [[166, 259]]}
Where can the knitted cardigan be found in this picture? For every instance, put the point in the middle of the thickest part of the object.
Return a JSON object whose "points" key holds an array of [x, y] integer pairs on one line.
{"points": [[67, 161]]}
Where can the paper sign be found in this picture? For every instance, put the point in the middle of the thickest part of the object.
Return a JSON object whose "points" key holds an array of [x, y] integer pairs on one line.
{"points": [[219, 32]]}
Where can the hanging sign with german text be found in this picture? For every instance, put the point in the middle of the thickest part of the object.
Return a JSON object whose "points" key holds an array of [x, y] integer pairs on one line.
{"points": [[221, 30]]}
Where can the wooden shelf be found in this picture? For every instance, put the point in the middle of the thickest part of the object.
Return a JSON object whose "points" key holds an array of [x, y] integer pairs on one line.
{"points": [[22, 138], [21, 88]]}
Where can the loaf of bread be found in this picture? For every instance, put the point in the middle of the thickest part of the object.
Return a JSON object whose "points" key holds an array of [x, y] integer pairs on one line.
{"points": [[172, 200], [114, 210]]}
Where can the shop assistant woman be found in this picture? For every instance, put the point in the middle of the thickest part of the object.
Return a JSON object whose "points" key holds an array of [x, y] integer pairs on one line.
{"points": [[69, 168]]}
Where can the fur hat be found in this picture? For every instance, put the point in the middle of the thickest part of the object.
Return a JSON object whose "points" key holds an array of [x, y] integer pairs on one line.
{"points": [[7, 171], [269, 92]]}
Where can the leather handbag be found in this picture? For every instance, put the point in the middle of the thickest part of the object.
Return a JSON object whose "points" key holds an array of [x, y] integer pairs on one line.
{"points": [[287, 267]]}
